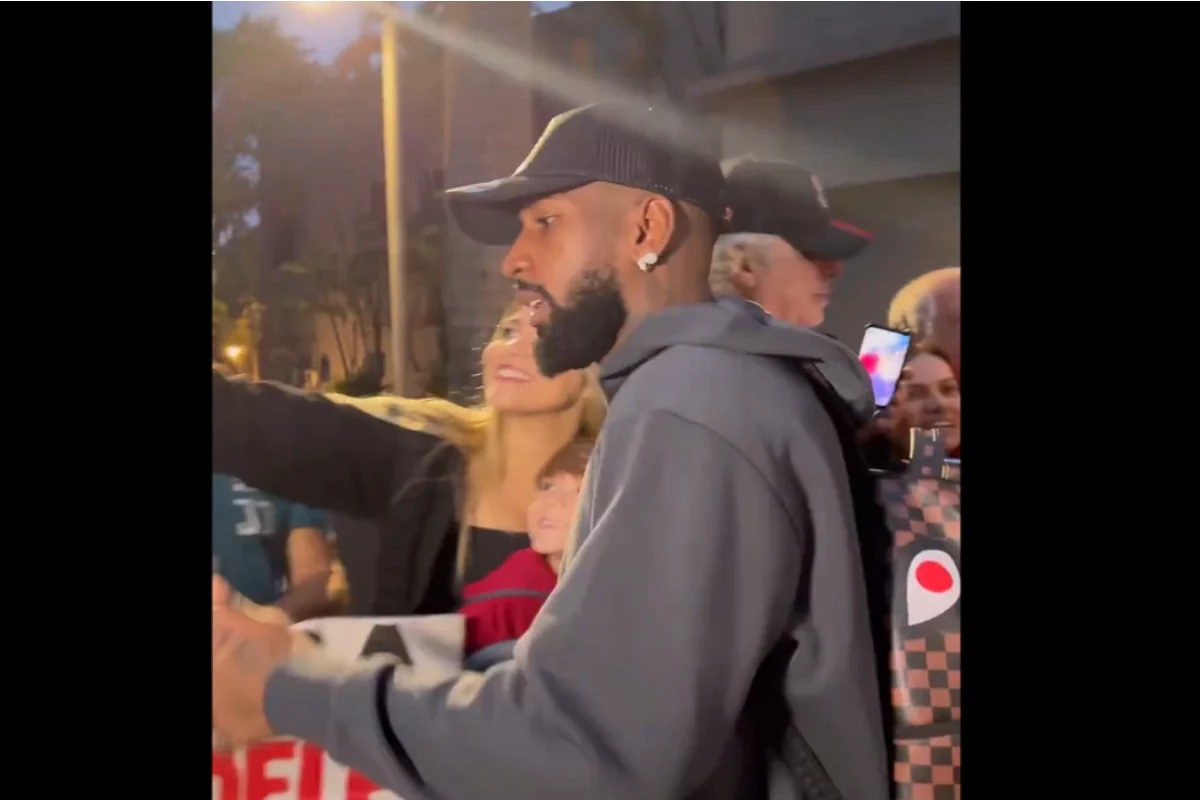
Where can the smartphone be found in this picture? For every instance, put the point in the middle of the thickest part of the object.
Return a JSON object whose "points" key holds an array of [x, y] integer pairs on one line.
{"points": [[882, 354]]}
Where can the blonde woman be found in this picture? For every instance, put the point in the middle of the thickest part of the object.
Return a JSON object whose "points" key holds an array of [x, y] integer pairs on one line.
{"points": [[448, 485]]}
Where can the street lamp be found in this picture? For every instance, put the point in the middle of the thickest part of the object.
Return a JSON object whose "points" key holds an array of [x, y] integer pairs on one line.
{"points": [[394, 203], [393, 182]]}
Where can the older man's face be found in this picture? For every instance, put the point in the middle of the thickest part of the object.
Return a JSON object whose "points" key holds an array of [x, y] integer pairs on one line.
{"points": [[794, 288]]}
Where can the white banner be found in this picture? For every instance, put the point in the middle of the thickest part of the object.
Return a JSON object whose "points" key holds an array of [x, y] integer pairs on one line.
{"points": [[286, 769]]}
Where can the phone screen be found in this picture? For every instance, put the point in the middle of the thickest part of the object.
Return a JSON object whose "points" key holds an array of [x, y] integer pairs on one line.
{"points": [[882, 354]]}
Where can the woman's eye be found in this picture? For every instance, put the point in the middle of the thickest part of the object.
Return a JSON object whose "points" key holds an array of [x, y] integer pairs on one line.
{"points": [[508, 333]]}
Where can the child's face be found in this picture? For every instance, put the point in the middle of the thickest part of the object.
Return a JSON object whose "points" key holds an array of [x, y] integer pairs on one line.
{"points": [[552, 512]]}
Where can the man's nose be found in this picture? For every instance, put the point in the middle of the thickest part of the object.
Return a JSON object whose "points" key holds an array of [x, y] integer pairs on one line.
{"points": [[517, 263]]}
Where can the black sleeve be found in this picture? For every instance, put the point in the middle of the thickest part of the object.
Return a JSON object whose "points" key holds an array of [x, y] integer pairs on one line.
{"points": [[311, 450]]}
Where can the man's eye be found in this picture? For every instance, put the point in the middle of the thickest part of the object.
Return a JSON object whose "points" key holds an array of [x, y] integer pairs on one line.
{"points": [[545, 222]]}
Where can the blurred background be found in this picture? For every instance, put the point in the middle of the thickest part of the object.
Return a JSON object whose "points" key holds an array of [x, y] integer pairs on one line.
{"points": [[865, 94]]}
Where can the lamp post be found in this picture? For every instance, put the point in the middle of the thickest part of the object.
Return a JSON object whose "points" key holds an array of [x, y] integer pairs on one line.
{"points": [[394, 202], [393, 176]]}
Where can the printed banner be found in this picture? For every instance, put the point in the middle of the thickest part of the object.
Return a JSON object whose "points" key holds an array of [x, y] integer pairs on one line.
{"points": [[286, 769]]}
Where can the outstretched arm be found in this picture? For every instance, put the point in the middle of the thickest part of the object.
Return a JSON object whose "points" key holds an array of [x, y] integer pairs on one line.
{"points": [[304, 448]]}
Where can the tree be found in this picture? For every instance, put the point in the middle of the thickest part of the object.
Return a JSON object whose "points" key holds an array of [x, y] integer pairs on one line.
{"points": [[262, 94], [297, 208]]}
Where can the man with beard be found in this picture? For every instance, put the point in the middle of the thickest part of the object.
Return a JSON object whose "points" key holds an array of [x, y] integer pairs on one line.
{"points": [[715, 528]]}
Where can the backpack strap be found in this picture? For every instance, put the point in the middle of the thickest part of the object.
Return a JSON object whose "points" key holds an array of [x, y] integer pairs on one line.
{"points": [[874, 536], [767, 698]]}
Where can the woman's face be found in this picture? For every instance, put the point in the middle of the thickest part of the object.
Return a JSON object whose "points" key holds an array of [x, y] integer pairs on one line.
{"points": [[928, 398], [552, 512], [511, 380]]}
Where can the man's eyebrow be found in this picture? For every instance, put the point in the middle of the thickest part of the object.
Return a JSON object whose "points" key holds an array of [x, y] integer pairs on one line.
{"points": [[538, 208]]}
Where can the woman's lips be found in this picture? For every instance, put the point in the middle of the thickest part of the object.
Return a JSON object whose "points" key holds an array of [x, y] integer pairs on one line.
{"points": [[510, 373]]}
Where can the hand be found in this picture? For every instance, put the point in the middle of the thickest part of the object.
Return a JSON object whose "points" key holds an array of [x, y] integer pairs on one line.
{"points": [[249, 642], [881, 425]]}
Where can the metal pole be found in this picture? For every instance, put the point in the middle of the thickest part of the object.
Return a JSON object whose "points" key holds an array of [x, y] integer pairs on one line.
{"points": [[392, 156]]}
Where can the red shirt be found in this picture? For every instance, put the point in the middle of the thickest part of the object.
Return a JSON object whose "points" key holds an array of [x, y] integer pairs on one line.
{"points": [[501, 606]]}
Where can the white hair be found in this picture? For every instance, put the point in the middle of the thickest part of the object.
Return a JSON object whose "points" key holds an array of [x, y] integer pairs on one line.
{"points": [[733, 251], [914, 306]]}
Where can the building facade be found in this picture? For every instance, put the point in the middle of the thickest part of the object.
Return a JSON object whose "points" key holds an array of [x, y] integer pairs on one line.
{"points": [[866, 95]]}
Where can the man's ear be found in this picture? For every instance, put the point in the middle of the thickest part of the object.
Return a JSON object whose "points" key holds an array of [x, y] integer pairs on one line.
{"points": [[656, 225], [742, 273]]}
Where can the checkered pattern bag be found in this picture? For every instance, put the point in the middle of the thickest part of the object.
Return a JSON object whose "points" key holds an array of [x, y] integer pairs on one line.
{"points": [[922, 507]]}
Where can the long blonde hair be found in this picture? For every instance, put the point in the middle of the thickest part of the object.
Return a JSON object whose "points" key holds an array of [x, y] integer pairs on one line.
{"points": [[475, 431]]}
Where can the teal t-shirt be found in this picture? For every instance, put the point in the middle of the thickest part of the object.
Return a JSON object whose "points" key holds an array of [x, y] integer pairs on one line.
{"points": [[249, 537]]}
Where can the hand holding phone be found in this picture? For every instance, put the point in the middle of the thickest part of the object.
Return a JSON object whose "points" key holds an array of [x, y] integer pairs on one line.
{"points": [[882, 354]]}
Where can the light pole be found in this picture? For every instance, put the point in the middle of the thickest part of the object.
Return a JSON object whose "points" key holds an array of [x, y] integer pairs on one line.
{"points": [[393, 176], [393, 182]]}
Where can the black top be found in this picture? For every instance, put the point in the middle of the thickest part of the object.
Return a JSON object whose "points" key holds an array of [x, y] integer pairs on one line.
{"points": [[489, 548], [310, 450]]}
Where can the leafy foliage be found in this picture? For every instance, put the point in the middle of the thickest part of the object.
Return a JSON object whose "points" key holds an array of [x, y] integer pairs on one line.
{"points": [[297, 199]]}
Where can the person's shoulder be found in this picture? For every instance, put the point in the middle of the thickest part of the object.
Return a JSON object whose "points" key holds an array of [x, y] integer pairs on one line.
{"points": [[708, 385], [761, 405]]}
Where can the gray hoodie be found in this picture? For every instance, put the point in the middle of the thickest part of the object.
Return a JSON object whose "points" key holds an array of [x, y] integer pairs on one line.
{"points": [[715, 518]]}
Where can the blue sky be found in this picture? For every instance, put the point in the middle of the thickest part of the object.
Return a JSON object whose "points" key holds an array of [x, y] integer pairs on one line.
{"points": [[324, 27]]}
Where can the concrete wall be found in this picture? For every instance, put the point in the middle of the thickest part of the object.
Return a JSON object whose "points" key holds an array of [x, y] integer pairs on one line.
{"points": [[886, 118], [917, 228], [798, 37]]}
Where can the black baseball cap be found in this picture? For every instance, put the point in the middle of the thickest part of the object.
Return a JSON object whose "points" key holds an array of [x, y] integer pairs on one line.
{"points": [[783, 199], [621, 143]]}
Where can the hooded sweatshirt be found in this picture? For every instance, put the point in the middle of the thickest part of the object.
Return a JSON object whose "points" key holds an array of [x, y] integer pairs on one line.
{"points": [[715, 518]]}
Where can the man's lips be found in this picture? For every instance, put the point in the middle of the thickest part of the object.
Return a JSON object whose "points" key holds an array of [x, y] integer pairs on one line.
{"points": [[533, 298], [527, 297]]}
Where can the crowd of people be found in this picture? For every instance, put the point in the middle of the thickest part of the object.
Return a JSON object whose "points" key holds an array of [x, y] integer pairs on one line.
{"points": [[655, 501]]}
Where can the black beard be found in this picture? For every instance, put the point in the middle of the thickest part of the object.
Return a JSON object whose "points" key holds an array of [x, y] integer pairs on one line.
{"points": [[583, 331]]}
